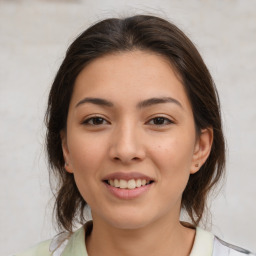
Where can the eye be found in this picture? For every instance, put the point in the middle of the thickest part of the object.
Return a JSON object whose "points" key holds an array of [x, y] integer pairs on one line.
{"points": [[96, 120], [160, 121]]}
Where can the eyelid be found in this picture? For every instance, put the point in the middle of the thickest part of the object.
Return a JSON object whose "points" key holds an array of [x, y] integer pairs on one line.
{"points": [[170, 121], [87, 119]]}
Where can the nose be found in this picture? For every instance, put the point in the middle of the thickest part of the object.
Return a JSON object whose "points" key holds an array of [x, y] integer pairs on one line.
{"points": [[127, 144]]}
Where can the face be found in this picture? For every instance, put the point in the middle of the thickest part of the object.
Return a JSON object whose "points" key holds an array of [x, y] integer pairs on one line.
{"points": [[130, 139]]}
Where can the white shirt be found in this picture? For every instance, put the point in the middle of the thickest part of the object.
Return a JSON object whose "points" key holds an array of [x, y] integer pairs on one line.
{"points": [[67, 244]]}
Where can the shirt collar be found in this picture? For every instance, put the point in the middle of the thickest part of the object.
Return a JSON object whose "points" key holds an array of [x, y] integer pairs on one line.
{"points": [[203, 244], [76, 244]]}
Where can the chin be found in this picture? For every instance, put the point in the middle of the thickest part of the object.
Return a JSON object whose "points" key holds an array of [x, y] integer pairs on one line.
{"points": [[130, 220], [126, 217]]}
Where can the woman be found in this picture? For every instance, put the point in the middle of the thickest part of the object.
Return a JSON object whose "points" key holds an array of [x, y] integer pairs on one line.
{"points": [[134, 131]]}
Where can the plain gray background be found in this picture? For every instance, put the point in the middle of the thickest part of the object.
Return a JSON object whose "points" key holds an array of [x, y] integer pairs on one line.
{"points": [[34, 36]]}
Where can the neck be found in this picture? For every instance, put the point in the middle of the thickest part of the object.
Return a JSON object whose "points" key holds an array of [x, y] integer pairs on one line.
{"points": [[158, 238]]}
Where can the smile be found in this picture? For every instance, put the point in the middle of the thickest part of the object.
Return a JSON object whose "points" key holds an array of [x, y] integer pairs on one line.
{"points": [[128, 184]]}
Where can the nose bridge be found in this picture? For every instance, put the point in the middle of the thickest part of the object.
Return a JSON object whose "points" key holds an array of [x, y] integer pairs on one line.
{"points": [[127, 143]]}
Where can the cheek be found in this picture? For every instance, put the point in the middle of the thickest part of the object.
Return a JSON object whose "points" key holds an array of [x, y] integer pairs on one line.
{"points": [[86, 152], [172, 157], [86, 156], [173, 152]]}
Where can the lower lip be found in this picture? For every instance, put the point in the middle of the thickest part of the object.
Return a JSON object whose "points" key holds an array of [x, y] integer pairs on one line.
{"points": [[123, 193]]}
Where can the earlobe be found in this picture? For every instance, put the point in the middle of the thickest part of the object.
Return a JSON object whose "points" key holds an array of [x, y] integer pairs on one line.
{"points": [[67, 168], [65, 151], [202, 149]]}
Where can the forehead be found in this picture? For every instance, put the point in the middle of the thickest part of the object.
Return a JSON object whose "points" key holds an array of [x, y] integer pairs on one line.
{"points": [[131, 75]]}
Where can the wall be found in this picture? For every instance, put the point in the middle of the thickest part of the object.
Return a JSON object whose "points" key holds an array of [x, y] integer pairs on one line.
{"points": [[33, 38]]}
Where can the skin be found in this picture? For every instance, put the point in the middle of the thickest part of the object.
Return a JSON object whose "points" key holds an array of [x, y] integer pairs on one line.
{"points": [[125, 138]]}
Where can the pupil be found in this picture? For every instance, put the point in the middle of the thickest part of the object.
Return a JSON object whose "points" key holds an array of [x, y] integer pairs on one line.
{"points": [[97, 120], [159, 120]]}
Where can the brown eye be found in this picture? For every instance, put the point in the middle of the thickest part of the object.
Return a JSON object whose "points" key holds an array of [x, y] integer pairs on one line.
{"points": [[95, 121], [160, 121]]}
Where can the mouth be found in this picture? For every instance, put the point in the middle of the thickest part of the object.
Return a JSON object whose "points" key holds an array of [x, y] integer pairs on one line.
{"points": [[128, 184], [124, 185]]}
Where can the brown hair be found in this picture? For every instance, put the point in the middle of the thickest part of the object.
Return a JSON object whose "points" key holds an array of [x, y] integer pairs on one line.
{"points": [[147, 33]]}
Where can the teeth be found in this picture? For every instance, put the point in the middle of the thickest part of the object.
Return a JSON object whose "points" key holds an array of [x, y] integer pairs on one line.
{"points": [[130, 184], [116, 183], [123, 184], [138, 183]]}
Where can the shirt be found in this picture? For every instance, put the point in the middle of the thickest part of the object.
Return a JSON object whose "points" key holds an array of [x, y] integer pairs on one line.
{"points": [[73, 244]]}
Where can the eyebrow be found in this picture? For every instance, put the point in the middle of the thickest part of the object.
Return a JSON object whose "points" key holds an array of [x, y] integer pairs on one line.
{"points": [[142, 104], [153, 101], [96, 101]]}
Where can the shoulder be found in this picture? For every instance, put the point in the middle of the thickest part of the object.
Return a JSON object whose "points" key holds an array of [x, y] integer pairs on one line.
{"points": [[52, 247], [65, 243], [206, 244], [41, 249], [221, 247]]}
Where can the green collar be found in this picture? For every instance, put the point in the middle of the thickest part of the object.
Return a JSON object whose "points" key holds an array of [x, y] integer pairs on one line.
{"points": [[203, 244]]}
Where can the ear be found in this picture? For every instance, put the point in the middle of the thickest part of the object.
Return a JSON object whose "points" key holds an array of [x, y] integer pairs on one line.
{"points": [[65, 151], [202, 149]]}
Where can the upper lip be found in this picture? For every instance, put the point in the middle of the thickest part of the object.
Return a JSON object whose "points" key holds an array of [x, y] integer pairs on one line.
{"points": [[127, 176]]}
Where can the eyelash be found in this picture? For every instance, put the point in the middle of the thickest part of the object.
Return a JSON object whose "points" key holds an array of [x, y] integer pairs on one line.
{"points": [[162, 119], [86, 122]]}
